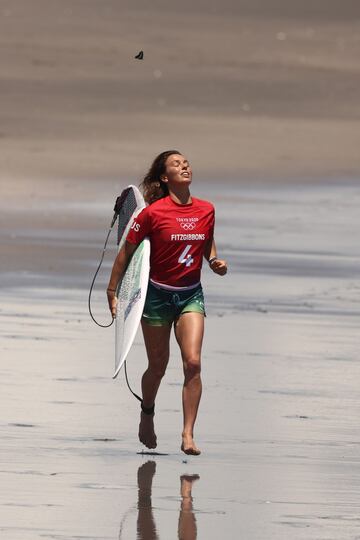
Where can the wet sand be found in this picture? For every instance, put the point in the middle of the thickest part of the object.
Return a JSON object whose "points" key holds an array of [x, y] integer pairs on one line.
{"points": [[278, 418]]}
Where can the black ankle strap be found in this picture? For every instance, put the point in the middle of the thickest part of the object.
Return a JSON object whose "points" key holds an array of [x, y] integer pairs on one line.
{"points": [[147, 410]]}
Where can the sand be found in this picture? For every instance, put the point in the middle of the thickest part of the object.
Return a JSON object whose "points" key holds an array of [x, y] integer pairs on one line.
{"points": [[278, 417], [247, 90], [263, 99]]}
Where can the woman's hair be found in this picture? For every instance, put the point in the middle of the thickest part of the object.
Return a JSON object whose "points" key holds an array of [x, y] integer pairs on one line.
{"points": [[152, 186]]}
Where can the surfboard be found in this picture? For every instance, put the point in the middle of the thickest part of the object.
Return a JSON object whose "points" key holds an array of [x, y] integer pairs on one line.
{"points": [[131, 292]]}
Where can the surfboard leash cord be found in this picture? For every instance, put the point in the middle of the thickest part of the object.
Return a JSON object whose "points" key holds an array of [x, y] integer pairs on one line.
{"points": [[129, 387], [117, 208], [96, 273]]}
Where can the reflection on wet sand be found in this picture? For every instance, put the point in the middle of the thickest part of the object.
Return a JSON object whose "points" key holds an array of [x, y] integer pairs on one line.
{"points": [[187, 523], [146, 527]]}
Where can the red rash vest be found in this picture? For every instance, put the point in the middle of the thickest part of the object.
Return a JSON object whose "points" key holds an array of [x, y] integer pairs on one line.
{"points": [[178, 236]]}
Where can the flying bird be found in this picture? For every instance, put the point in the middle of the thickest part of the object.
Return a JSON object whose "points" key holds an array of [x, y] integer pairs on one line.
{"points": [[140, 55]]}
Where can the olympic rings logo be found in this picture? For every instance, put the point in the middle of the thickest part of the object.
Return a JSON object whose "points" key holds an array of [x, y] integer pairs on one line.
{"points": [[188, 226]]}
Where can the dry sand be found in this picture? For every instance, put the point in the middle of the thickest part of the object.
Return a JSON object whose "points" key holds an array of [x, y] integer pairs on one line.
{"points": [[264, 91]]}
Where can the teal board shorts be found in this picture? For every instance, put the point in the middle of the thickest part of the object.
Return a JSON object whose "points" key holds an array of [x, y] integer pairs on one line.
{"points": [[163, 307]]}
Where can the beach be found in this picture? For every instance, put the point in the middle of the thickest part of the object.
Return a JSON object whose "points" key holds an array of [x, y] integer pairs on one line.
{"points": [[268, 114], [277, 424]]}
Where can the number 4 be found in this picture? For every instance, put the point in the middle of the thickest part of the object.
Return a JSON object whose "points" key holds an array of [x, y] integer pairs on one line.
{"points": [[185, 257]]}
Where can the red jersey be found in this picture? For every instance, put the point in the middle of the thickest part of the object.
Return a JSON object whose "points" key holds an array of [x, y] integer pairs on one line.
{"points": [[178, 236]]}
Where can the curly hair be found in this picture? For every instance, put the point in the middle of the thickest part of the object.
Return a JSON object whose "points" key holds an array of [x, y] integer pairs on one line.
{"points": [[152, 186]]}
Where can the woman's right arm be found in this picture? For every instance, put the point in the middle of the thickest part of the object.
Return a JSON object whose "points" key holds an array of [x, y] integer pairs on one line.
{"points": [[118, 270]]}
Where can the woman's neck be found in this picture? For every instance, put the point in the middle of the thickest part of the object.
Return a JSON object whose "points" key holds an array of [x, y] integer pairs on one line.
{"points": [[180, 196]]}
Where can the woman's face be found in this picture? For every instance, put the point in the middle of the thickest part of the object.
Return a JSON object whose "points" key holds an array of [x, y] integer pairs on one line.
{"points": [[177, 170]]}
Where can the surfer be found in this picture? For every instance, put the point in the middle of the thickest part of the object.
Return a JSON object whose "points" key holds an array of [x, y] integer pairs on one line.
{"points": [[181, 232]]}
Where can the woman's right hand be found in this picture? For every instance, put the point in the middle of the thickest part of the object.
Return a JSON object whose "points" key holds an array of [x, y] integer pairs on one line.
{"points": [[112, 300], [118, 270]]}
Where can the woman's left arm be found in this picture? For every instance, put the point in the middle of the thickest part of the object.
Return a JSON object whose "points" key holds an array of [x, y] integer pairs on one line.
{"points": [[219, 266]]}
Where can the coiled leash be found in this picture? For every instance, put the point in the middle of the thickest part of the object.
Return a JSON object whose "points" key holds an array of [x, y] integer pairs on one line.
{"points": [[96, 273]]}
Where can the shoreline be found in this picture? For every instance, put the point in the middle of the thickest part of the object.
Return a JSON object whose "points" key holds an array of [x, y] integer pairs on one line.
{"points": [[72, 191]]}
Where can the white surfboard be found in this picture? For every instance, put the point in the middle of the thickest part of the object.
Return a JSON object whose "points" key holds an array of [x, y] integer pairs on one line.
{"points": [[133, 287]]}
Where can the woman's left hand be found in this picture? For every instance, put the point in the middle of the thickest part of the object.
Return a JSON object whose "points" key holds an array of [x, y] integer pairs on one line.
{"points": [[219, 267]]}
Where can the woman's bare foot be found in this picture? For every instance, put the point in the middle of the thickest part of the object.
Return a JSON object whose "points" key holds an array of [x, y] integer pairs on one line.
{"points": [[188, 445], [146, 430]]}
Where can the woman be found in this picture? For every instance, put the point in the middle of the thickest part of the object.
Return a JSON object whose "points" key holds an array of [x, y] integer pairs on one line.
{"points": [[180, 228]]}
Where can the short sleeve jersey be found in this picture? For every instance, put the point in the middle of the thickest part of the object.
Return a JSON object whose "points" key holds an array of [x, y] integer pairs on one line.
{"points": [[178, 236]]}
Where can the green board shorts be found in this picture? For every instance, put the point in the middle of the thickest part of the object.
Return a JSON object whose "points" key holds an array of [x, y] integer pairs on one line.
{"points": [[163, 307]]}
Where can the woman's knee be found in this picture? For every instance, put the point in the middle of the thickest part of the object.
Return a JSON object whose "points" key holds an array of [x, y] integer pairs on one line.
{"points": [[157, 371], [158, 365], [192, 367]]}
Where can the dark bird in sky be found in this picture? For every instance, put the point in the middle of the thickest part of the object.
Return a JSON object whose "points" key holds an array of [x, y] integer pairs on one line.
{"points": [[140, 55]]}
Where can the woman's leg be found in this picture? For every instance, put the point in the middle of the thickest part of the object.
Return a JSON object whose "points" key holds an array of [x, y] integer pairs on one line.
{"points": [[157, 347], [189, 332]]}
